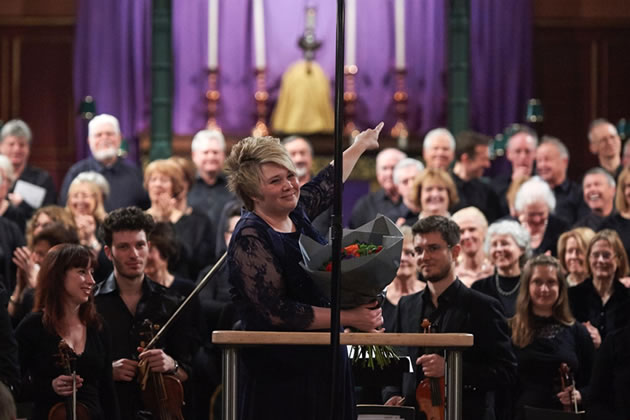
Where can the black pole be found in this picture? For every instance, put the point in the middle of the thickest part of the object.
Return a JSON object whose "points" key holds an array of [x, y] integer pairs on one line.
{"points": [[337, 231]]}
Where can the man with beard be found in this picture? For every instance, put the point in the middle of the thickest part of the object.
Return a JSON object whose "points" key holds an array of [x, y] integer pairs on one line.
{"points": [[125, 179], [128, 298], [209, 192], [386, 198], [451, 307]]}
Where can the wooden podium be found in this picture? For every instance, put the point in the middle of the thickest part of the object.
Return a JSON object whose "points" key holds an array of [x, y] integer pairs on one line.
{"points": [[453, 343]]}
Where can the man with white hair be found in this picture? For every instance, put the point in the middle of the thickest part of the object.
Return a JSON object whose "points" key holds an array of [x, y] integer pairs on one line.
{"points": [[387, 197], [438, 149], [552, 161], [15, 144], [209, 193], [125, 179], [605, 143], [521, 153], [405, 173], [599, 195]]}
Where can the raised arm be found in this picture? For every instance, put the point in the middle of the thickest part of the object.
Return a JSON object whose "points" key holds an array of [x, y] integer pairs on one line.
{"points": [[366, 140]]}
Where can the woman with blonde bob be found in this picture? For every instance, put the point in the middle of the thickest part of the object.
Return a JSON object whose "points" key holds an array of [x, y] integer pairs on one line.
{"points": [[545, 336], [601, 302], [86, 196], [572, 247], [271, 290], [472, 263], [434, 192]]}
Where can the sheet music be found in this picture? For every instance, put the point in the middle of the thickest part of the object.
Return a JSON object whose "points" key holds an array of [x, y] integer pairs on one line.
{"points": [[32, 194]]}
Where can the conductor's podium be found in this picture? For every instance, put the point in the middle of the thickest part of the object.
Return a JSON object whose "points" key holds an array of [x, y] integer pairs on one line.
{"points": [[452, 343]]}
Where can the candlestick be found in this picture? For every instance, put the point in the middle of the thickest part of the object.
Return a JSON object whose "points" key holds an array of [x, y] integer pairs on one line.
{"points": [[261, 96], [399, 25], [400, 131], [350, 100], [259, 35], [351, 33], [213, 95], [213, 34]]}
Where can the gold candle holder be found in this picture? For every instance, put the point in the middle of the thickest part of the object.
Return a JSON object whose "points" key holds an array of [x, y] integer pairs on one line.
{"points": [[400, 131], [350, 101], [262, 97], [213, 95]]}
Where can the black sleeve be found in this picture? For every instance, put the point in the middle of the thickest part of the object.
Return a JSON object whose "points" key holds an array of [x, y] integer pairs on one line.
{"points": [[107, 393], [9, 368], [600, 396], [491, 363], [585, 353]]}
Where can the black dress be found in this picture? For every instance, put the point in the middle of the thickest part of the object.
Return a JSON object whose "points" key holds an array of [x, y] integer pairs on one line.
{"points": [[37, 347], [272, 292], [538, 363], [506, 295]]}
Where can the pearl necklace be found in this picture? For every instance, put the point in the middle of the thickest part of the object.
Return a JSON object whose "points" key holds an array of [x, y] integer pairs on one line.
{"points": [[501, 291]]}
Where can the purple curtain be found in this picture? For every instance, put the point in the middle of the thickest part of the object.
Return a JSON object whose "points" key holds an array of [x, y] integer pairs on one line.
{"points": [[112, 63], [112, 60], [500, 63]]}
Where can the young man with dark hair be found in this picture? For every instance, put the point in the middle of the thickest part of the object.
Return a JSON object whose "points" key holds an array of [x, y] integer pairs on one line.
{"points": [[472, 158], [128, 298], [451, 307]]}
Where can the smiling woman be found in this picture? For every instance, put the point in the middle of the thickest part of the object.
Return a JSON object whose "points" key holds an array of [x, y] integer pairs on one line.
{"points": [[65, 313]]}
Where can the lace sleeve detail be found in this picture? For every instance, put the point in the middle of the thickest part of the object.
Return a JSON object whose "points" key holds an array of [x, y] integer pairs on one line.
{"points": [[256, 274], [317, 194]]}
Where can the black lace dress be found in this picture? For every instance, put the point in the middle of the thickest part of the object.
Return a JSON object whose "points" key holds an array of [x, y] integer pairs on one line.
{"points": [[538, 363], [272, 292]]}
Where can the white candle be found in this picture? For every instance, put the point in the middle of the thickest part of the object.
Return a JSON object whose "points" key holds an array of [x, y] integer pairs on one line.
{"points": [[213, 34], [351, 33], [259, 35], [399, 24]]}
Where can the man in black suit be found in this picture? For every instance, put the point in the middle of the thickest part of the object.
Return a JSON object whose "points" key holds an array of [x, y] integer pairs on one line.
{"points": [[490, 364]]}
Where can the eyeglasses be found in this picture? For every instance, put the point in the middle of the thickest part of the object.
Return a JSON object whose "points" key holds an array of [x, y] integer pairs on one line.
{"points": [[604, 255], [431, 249]]}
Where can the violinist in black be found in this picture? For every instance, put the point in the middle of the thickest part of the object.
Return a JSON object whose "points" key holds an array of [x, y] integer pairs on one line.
{"points": [[65, 313], [126, 299], [451, 307]]}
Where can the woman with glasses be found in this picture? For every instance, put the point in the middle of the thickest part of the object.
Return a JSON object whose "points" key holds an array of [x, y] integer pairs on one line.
{"points": [[601, 301]]}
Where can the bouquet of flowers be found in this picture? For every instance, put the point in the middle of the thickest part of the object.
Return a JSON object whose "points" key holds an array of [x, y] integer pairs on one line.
{"points": [[370, 259]]}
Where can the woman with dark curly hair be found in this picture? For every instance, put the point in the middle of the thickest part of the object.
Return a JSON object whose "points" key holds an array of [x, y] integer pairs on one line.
{"points": [[65, 314]]}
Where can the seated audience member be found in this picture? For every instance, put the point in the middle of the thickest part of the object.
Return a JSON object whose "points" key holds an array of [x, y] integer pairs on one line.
{"points": [[552, 161], [438, 149], [124, 178], [535, 205], [301, 152], [601, 302], [546, 336], [599, 195], [609, 388], [7, 209], [521, 153], [126, 299], [405, 283], [29, 263], [387, 197], [605, 143], [65, 314], [86, 199], [434, 193], [9, 366], [572, 247], [165, 181], [619, 220], [472, 263], [405, 172], [472, 158], [489, 365], [209, 192], [507, 245], [15, 143]]}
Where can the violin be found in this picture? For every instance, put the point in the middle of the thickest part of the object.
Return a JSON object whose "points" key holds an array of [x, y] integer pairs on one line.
{"points": [[162, 394], [567, 380], [70, 409], [430, 391]]}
